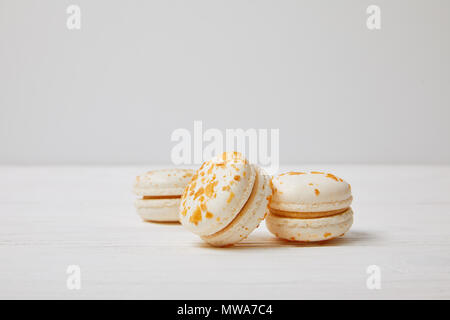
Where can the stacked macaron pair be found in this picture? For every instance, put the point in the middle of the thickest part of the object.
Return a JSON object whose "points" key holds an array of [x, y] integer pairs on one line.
{"points": [[309, 206], [159, 193], [227, 198]]}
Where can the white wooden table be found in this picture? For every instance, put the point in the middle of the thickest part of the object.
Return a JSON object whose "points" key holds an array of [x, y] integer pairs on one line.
{"points": [[53, 217]]}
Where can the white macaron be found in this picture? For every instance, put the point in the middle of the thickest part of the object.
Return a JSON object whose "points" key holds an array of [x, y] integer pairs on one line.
{"points": [[160, 193], [226, 200], [310, 206]]}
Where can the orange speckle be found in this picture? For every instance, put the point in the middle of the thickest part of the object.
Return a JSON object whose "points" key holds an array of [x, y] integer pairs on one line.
{"points": [[196, 216], [311, 184], [317, 192], [209, 190], [209, 215], [226, 188], [218, 218], [295, 173], [203, 206], [237, 178], [199, 193], [332, 176], [292, 238], [316, 172], [224, 156], [230, 197], [202, 173], [210, 169], [326, 235], [183, 213]]}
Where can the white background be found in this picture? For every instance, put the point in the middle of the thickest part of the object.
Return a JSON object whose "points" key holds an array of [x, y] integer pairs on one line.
{"points": [[86, 111], [115, 90]]}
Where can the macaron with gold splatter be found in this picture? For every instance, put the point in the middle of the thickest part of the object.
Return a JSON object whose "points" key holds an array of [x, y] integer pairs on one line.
{"points": [[226, 199], [310, 206]]}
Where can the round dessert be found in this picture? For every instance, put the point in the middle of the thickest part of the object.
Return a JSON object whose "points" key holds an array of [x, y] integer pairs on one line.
{"points": [[160, 193], [313, 206], [226, 199]]}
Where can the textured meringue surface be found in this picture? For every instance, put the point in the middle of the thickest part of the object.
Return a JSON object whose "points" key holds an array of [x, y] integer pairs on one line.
{"points": [[310, 192], [217, 193], [162, 182]]}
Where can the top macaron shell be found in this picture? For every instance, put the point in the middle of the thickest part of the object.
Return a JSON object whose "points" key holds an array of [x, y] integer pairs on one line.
{"points": [[163, 182], [310, 192], [216, 194]]}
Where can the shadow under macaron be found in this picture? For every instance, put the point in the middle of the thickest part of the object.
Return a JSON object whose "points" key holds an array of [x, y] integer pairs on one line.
{"points": [[264, 241]]}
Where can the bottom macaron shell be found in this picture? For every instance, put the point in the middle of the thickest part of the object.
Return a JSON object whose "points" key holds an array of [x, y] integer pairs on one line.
{"points": [[158, 210], [310, 229], [251, 215]]}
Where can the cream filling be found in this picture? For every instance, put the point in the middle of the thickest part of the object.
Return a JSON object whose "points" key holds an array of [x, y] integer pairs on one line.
{"points": [[307, 215], [160, 197]]}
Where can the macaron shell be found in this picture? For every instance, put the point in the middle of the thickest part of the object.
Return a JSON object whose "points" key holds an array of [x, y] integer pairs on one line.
{"points": [[161, 210], [216, 194], [310, 192], [310, 229], [250, 216], [163, 182]]}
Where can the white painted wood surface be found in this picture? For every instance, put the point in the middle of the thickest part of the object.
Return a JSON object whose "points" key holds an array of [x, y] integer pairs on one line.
{"points": [[52, 217]]}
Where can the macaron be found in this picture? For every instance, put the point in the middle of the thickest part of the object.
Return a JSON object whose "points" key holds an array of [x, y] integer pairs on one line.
{"points": [[160, 192], [309, 206], [226, 200]]}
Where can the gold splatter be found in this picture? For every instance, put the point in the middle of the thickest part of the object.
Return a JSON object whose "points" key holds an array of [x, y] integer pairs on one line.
{"points": [[183, 213], [230, 197], [209, 215], [196, 216], [332, 176], [326, 235], [237, 178], [203, 206], [317, 192], [209, 190], [316, 172], [199, 193]]}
